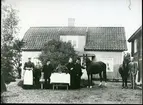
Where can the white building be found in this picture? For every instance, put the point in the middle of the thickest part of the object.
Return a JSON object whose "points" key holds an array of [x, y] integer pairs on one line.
{"points": [[106, 43]]}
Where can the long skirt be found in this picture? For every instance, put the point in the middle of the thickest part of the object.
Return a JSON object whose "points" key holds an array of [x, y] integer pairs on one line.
{"points": [[28, 77], [77, 82], [72, 80]]}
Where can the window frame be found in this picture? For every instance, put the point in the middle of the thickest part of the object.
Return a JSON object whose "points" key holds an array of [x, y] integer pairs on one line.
{"points": [[135, 46]]}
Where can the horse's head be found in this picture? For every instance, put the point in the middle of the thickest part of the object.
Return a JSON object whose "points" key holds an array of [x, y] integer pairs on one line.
{"points": [[127, 59], [87, 61]]}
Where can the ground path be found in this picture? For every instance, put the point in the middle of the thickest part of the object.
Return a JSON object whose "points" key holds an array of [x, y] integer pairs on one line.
{"points": [[112, 94]]}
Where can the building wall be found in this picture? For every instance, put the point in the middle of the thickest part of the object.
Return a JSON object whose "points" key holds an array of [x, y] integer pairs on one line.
{"points": [[116, 56], [138, 55], [27, 54], [80, 41], [116, 60], [140, 58]]}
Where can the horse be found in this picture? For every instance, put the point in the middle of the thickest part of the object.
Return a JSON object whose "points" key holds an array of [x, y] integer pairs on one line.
{"points": [[124, 70], [95, 68]]}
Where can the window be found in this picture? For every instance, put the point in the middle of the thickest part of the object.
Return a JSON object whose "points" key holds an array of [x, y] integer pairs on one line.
{"points": [[74, 43], [135, 45], [70, 41]]}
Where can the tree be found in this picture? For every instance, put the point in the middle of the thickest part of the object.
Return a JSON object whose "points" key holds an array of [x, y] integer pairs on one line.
{"points": [[10, 44], [58, 52]]}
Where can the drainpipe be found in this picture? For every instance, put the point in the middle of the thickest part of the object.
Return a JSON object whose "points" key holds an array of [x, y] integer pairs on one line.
{"points": [[86, 37]]}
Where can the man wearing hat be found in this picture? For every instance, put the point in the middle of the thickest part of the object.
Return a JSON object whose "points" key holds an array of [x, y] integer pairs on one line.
{"points": [[47, 70], [78, 72]]}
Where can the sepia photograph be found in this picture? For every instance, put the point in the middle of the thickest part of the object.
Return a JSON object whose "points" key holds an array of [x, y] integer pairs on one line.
{"points": [[71, 51]]}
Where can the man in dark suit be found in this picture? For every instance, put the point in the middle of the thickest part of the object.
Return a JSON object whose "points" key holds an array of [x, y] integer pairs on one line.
{"points": [[37, 74], [70, 66], [78, 73], [47, 70]]}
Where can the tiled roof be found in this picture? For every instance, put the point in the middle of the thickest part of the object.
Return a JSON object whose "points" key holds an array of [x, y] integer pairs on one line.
{"points": [[98, 38], [35, 37], [72, 31], [135, 34], [106, 38]]}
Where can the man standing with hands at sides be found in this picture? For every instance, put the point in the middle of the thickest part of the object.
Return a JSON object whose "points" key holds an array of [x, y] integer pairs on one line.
{"points": [[70, 66], [47, 70], [133, 67], [28, 74], [37, 74]]}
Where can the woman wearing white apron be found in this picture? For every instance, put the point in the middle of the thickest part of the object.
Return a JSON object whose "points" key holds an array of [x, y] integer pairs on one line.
{"points": [[28, 74]]}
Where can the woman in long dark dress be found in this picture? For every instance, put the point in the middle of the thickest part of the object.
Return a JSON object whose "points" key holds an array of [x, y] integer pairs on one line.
{"points": [[70, 66], [47, 69]]}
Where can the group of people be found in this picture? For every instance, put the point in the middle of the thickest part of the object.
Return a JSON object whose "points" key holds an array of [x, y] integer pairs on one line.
{"points": [[75, 70], [33, 73]]}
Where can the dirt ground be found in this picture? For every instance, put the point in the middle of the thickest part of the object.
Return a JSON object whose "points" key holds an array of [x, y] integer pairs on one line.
{"points": [[112, 94]]}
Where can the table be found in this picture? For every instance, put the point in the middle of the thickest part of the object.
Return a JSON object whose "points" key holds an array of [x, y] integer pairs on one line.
{"points": [[60, 79]]}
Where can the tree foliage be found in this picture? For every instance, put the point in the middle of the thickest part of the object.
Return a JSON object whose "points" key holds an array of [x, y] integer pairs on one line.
{"points": [[57, 52], [10, 44]]}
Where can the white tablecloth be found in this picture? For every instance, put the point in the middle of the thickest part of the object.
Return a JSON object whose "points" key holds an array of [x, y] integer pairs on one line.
{"points": [[60, 78]]}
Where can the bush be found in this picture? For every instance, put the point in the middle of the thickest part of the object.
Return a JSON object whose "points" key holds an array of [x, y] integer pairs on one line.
{"points": [[57, 52]]}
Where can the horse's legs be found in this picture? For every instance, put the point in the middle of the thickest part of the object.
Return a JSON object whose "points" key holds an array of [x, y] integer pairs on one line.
{"points": [[126, 86], [90, 80], [100, 79], [105, 77], [123, 81]]}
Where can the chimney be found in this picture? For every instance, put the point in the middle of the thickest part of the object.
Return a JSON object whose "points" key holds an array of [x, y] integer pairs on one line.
{"points": [[71, 22]]}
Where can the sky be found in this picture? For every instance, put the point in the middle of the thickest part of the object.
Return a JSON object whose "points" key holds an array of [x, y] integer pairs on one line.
{"points": [[95, 13]]}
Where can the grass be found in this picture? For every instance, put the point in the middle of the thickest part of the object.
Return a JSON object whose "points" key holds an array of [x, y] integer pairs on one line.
{"points": [[112, 94]]}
